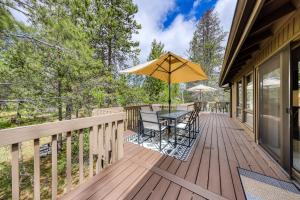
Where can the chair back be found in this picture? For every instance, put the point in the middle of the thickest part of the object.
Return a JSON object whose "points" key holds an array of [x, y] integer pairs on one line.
{"points": [[156, 107], [146, 108], [150, 120]]}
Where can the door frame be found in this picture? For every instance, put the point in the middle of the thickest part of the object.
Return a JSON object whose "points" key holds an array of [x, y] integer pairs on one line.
{"points": [[293, 172], [285, 158]]}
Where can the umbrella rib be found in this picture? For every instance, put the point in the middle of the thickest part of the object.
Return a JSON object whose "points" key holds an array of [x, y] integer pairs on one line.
{"points": [[162, 71], [187, 65], [180, 66], [159, 66]]}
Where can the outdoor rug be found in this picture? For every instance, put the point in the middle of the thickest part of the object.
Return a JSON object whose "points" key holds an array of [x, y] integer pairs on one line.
{"points": [[260, 187], [179, 152]]}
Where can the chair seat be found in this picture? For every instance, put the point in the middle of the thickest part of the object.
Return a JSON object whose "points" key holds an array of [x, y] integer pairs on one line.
{"points": [[181, 125]]}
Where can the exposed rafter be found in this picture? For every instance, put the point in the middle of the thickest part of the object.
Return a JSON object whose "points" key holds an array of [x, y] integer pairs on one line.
{"points": [[268, 20], [243, 57], [258, 38], [250, 50]]}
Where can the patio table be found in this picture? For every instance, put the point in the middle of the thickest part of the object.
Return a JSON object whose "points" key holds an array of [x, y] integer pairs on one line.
{"points": [[173, 116]]}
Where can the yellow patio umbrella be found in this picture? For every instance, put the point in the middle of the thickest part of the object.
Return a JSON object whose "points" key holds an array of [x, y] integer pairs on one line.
{"points": [[171, 69]]}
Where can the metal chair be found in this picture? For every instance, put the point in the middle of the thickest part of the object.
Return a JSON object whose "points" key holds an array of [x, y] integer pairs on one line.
{"points": [[189, 126], [151, 123]]}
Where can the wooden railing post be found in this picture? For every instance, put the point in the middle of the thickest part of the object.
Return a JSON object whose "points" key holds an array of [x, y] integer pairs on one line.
{"points": [[91, 159], [100, 146], [36, 169], [120, 130], [69, 161], [54, 167], [81, 175], [15, 171], [113, 141]]}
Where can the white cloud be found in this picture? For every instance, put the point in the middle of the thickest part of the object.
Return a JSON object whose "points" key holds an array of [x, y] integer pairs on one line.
{"points": [[225, 10], [151, 16], [178, 35]]}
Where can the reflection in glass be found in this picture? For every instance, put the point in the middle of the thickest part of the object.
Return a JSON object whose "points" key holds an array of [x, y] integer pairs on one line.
{"points": [[296, 113], [239, 99], [270, 83], [249, 100]]}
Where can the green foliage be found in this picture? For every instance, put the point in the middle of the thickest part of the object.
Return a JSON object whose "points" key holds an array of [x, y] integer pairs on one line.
{"points": [[154, 87], [66, 59], [205, 47], [207, 50]]}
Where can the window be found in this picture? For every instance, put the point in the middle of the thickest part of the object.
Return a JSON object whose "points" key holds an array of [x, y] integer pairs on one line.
{"points": [[239, 99], [249, 101]]}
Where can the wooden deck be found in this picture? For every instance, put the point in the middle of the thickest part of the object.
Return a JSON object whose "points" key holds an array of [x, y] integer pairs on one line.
{"points": [[209, 173]]}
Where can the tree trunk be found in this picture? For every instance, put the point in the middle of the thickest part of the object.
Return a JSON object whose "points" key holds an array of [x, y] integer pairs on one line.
{"points": [[59, 101], [60, 114], [69, 109]]}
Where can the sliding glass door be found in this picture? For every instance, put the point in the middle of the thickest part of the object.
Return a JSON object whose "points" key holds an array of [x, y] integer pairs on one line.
{"points": [[270, 106], [273, 107], [295, 107]]}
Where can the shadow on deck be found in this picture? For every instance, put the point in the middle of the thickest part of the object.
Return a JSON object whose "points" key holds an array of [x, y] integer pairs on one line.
{"points": [[209, 173]]}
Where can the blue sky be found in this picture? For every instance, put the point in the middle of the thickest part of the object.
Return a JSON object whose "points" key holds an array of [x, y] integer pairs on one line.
{"points": [[185, 7], [173, 22]]}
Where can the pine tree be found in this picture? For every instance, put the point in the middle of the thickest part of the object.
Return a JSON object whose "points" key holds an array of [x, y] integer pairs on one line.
{"points": [[207, 50], [114, 27], [155, 87], [206, 46]]}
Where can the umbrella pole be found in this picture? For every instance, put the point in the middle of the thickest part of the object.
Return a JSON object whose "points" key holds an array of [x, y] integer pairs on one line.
{"points": [[169, 84], [169, 97]]}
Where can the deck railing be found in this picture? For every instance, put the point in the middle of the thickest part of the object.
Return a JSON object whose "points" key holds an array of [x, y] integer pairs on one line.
{"points": [[105, 146]]}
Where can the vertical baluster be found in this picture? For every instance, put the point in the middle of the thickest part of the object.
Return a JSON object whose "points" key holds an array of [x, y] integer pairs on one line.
{"points": [[81, 176], [120, 130], [15, 171], [91, 160], [96, 147], [131, 118], [36, 169], [107, 142], [113, 141], [100, 146], [69, 161], [54, 167], [126, 121]]}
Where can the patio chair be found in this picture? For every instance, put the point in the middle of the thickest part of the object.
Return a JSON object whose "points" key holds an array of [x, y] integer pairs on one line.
{"points": [[151, 123], [189, 126]]}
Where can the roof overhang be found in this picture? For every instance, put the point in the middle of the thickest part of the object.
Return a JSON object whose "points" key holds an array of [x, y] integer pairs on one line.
{"points": [[251, 26]]}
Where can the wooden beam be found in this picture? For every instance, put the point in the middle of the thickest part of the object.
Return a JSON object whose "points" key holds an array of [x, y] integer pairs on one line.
{"points": [[250, 50], [243, 57], [238, 66], [257, 38], [268, 20]]}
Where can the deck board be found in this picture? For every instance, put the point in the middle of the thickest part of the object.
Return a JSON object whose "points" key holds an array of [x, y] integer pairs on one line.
{"points": [[211, 168]]}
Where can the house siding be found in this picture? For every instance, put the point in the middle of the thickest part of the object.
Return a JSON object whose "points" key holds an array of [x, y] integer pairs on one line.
{"points": [[285, 33]]}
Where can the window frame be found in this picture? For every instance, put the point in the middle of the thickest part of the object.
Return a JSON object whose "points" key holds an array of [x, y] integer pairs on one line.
{"points": [[248, 111]]}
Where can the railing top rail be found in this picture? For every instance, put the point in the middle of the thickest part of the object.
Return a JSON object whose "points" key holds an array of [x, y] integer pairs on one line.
{"points": [[135, 106], [25, 133]]}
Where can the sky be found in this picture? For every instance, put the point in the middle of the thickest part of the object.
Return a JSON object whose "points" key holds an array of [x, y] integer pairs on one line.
{"points": [[172, 22]]}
